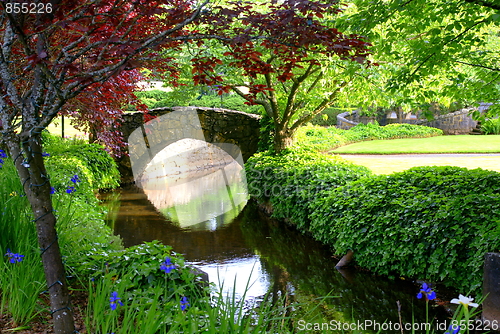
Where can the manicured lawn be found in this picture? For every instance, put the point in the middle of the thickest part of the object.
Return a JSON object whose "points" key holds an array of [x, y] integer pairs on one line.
{"points": [[440, 144], [69, 131], [387, 164]]}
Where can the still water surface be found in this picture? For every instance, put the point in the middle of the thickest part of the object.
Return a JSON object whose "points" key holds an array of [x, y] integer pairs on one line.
{"points": [[237, 245]]}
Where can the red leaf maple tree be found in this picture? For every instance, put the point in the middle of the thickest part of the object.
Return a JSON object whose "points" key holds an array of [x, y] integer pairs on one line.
{"points": [[83, 58]]}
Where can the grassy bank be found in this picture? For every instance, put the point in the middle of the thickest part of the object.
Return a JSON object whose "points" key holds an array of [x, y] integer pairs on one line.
{"points": [[440, 144], [387, 164]]}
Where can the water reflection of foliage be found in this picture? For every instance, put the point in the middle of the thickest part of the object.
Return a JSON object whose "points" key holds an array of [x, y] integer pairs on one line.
{"points": [[288, 255], [199, 207]]}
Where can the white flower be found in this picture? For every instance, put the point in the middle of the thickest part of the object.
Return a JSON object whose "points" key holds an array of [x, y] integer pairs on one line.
{"points": [[465, 301]]}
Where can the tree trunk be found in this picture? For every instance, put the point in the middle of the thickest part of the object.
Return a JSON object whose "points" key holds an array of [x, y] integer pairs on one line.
{"points": [[401, 115], [282, 140], [37, 187]]}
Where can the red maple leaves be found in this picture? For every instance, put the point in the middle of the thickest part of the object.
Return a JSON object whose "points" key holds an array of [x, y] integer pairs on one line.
{"points": [[86, 54]]}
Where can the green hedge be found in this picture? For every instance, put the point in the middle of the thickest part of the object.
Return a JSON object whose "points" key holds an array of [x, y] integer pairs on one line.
{"points": [[228, 101], [160, 99], [94, 166], [291, 180], [81, 226], [81, 218], [323, 139], [433, 223]]}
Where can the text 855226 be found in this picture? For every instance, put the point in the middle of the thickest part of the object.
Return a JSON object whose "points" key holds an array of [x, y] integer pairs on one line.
{"points": [[28, 8]]}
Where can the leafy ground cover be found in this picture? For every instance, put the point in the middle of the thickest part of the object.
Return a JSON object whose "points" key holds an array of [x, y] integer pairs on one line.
{"points": [[442, 221], [440, 144], [291, 180]]}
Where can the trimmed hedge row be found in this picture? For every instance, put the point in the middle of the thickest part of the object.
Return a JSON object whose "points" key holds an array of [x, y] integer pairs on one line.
{"points": [[323, 139], [291, 180], [432, 223]]}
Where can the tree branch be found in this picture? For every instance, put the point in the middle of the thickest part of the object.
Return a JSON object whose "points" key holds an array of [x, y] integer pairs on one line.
{"points": [[484, 3], [293, 92], [478, 65], [323, 105], [446, 43], [273, 100]]}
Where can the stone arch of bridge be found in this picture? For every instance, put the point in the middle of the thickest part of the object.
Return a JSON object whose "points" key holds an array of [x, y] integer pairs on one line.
{"points": [[234, 131]]}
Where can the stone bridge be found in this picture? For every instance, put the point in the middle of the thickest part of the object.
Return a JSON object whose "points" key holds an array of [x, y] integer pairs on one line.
{"points": [[219, 126]]}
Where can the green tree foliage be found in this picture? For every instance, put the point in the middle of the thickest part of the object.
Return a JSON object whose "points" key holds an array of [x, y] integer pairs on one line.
{"points": [[293, 80], [428, 51]]}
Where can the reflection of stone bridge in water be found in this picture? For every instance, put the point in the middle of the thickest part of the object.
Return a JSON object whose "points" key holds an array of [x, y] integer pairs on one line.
{"points": [[233, 131]]}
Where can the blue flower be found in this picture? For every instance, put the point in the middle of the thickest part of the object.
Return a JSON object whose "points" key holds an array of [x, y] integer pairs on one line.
{"points": [[52, 190], [453, 329], [427, 292], [113, 300], [75, 179], [3, 155], [70, 190], [167, 266], [184, 303], [14, 257], [45, 154]]}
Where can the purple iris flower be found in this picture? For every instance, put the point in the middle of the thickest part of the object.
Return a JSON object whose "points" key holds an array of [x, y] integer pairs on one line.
{"points": [[184, 303], [113, 300], [14, 257], [427, 292], [167, 266]]}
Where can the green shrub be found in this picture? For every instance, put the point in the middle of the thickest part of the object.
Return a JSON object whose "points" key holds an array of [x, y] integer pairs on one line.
{"points": [[90, 162], [324, 139], [161, 99], [139, 267], [81, 229], [290, 180], [227, 101], [154, 94], [81, 220], [491, 126], [433, 223]]}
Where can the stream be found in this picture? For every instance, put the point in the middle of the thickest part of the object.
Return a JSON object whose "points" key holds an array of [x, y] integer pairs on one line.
{"points": [[204, 215]]}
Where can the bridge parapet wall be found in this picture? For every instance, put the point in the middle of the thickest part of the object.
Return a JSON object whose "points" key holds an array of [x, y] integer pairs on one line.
{"points": [[219, 126]]}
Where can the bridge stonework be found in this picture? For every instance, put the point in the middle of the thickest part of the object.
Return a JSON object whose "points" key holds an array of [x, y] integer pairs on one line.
{"points": [[219, 126]]}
